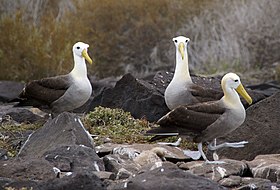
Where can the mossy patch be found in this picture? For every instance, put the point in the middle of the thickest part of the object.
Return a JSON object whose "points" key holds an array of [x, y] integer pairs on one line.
{"points": [[121, 127], [12, 136], [117, 125]]}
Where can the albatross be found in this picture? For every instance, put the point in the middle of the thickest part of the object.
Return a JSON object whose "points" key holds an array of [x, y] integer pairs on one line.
{"points": [[181, 90], [64, 92], [204, 122]]}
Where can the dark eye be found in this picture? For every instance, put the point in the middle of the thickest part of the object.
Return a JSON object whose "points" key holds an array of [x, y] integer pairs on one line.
{"points": [[236, 80], [175, 41], [187, 41], [78, 47]]}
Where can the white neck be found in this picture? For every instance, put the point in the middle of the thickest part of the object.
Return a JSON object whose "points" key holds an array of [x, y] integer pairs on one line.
{"points": [[80, 69], [182, 67], [231, 97]]}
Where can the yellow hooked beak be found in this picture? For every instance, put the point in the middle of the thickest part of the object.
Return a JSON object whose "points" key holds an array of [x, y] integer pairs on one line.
{"points": [[181, 49], [85, 55], [240, 89]]}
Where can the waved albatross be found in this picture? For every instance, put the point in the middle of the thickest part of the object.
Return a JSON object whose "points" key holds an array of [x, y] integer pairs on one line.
{"points": [[64, 92], [181, 90], [203, 122]]}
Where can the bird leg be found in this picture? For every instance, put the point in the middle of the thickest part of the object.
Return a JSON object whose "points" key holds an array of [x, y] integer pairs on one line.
{"points": [[213, 146], [177, 143], [215, 155], [197, 154]]}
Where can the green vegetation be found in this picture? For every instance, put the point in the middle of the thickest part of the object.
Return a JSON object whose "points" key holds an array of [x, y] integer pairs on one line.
{"points": [[117, 125], [121, 127], [12, 136]]}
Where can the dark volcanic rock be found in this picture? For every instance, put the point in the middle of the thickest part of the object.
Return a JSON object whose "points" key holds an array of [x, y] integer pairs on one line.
{"points": [[216, 172], [3, 154], [75, 158], [170, 177], [10, 90], [60, 149], [31, 169], [140, 98], [248, 183], [231, 181], [266, 167], [24, 115], [86, 181], [268, 88], [260, 129], [64, 130], [122, 168], [8, 113]]}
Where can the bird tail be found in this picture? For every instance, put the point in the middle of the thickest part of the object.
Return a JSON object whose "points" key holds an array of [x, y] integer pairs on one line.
{"points": [[161, 133]]}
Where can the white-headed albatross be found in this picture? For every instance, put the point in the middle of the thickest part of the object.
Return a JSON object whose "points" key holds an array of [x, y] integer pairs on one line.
{"points": [[181, 90], [64, 92], [203, 122]]}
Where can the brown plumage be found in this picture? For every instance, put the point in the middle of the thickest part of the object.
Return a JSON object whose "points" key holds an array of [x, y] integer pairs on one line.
{"points": [[61, 93], [45, 91], [203, 122]]}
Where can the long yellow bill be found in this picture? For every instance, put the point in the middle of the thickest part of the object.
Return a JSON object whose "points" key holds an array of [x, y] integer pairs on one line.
{"points": [[86, 56], [181, 49], [240, 89]]}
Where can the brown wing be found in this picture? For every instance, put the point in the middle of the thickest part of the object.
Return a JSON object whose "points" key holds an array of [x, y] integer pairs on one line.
{"points": [[203, 94], [194, 118], [214, 130], [46, 90]]}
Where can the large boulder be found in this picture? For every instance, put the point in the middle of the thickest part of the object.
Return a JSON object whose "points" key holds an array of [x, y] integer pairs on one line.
{"points": [[64, 130], [216, 172], [63, 149], [74, 158], [169, 176], [35, 169], [85, 180], [266, 167], [22, 115], [136, 96], [260, 129], [10, 90], [268, 88], [19, 114]]}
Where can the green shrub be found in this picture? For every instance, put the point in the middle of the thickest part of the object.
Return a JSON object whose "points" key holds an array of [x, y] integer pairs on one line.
{"points": [[117, 125], [121, 127], [12, 136]]}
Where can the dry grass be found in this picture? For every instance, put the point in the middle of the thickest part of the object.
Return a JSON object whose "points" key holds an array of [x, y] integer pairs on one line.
{"points": [[37, 43], [135, 36], [234, 36]]}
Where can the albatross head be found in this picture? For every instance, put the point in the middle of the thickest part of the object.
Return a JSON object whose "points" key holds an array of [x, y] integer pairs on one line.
{"points": [[231, 81], [181, 43], [80, 49]]}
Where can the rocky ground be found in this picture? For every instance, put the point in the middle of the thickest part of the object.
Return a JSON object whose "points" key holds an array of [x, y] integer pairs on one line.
{"points": [[62, 154]]}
